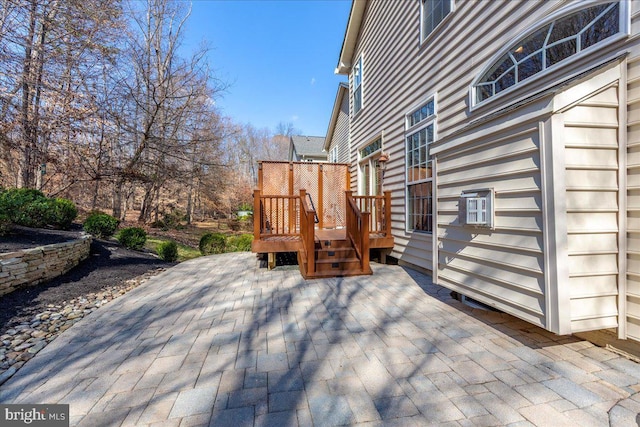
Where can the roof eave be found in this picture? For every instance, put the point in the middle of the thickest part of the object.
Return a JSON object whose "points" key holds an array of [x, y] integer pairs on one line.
{"points": [[351, 36], [342, 88]]}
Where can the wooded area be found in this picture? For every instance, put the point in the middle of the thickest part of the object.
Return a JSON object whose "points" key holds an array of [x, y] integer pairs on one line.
{"points": [[99, 104]]}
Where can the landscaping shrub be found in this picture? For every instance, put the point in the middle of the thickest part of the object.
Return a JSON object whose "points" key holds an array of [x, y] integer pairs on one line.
{"points": [[5, 223], [132, 237], [25, 206], [240, 243], [63, 213], [174, 219], [31, 208], [159, 224], [168, 250], [14, 199], [100, 224], [212, 243], [37, 213]]}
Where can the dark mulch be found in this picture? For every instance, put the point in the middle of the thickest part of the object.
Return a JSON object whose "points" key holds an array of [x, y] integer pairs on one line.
{"points": [[24, 238], [108, 264]]}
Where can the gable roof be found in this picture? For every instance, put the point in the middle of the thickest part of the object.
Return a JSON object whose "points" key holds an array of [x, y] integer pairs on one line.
{"points": [[308, 145], [351, 36], [343, 88]]}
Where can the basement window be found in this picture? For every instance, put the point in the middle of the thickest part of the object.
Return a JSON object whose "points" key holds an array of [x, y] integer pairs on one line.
{"points": [[476, 208]]}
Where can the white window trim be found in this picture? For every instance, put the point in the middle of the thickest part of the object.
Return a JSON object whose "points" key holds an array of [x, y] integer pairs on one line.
{"points": [[424, 38], [368, 159], [360, 61], [432, 120], [488, 196], [333, 154], [625, 26]]}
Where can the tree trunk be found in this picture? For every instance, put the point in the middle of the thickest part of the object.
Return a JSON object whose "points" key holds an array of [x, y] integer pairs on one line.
{"points": [[117, 198]]}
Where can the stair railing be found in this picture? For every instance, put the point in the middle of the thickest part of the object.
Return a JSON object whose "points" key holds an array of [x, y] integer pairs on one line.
{"points": [[358, 230], [307, 232], [313, 206], [380, 209]]}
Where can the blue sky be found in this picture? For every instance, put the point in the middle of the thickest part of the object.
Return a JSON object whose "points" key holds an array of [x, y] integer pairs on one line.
{"points": [[277, 56]]}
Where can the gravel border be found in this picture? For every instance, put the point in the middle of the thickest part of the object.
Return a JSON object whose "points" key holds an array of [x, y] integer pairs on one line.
{"points": [[22, 342]]}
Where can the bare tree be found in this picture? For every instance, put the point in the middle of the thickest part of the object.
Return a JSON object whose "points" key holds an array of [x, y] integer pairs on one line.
{"points": [[164, 94], [49, 48]]}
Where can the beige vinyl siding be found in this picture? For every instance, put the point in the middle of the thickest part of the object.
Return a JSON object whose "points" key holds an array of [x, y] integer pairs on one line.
{"points": [[503, 267], [632, 294], [340, 135], [399, 73], [590, 137], [633, 200]]}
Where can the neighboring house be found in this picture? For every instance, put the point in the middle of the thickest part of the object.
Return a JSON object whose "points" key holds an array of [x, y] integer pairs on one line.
{"points": [[307, 149], [337, 140], [513, 135]]}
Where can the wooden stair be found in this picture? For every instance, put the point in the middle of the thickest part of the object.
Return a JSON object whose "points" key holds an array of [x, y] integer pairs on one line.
{"points": [[334, 257]]}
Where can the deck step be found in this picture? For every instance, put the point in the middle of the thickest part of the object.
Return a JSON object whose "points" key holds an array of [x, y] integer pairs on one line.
{"points": [[334, 244], [335, 253], [333, 258]]}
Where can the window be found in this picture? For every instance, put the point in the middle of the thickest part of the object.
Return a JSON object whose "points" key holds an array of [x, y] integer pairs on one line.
{"points": [[357, 86], [370, 172], [369, 149], [476, 208], [550, 45], [433, 12], [333, 155], [420, 134]]}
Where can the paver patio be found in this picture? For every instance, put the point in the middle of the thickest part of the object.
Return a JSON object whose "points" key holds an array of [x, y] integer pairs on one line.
{"points": [[220, 341]]}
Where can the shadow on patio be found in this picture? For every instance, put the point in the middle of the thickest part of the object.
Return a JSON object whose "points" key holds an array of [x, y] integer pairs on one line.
{"points": [[220, 341]]}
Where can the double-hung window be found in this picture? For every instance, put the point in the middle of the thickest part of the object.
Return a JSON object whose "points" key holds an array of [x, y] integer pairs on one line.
{"points": [[357, 86], [420, 125], [333, 155], [432, 12]]}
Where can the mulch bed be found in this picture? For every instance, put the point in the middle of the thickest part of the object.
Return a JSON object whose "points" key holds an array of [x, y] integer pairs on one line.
{"points": [[108, 264]]}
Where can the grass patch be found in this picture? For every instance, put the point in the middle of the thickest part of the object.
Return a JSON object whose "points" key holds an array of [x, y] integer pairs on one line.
{"points": [[184, 252]]}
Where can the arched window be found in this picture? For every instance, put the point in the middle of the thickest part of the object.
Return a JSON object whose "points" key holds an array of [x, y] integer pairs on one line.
{"points": [[553, 43]]}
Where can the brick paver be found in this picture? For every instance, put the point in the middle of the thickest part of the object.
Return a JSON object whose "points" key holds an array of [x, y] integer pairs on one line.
{"points": [[220, 341]]}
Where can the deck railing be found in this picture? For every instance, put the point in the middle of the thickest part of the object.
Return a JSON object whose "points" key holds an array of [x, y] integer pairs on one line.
{"points": [[358, 230], [277, 215], [307, 232], [380, 209]]}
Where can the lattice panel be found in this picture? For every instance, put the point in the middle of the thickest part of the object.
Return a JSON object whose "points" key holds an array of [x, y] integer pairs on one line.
{"points": [[275, 178], [334, 184], [305, 175]]}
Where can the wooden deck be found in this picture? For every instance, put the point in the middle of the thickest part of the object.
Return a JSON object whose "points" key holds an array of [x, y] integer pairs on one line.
{"points": [[330, 229]]}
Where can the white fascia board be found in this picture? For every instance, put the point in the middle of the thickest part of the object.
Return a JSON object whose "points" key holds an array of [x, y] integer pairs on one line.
{"points": [[334, 115], [351, 36]]}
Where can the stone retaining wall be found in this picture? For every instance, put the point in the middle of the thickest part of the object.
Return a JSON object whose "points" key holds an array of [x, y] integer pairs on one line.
{"points": [[28, 267]]}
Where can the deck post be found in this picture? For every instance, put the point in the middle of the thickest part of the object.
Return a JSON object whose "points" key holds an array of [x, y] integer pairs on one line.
{"points": [[365, 241], [387, 213], [292, 211], [257, 214], [319, 208], [260, 177]]}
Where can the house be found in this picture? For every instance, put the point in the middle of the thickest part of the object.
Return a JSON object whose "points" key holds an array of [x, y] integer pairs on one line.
{"points": [[307, 149], [512, 133], [337, 140]]}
